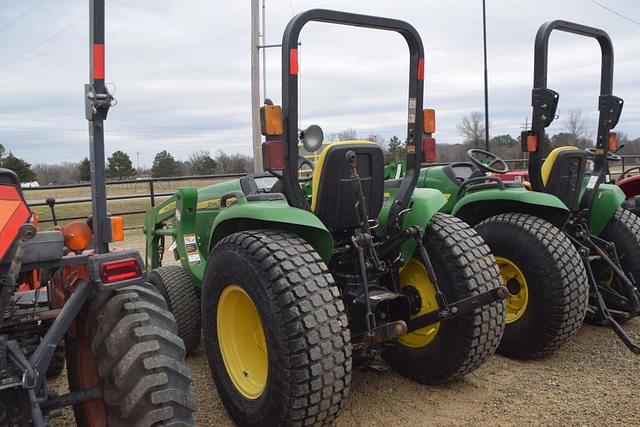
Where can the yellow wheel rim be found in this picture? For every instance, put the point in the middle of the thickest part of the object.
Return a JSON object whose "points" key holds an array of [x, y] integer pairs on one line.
{"points": [[414, 274], [242, 342], [514, 280]]}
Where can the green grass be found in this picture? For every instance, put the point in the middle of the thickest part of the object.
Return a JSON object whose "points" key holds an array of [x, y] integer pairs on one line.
{"points": [[83, 209]]}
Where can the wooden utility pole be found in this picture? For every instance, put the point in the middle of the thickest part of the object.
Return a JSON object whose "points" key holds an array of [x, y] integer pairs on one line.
{"points": [[255, 85]]}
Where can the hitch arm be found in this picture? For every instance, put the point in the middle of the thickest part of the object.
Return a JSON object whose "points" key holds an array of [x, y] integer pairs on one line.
{"points": [[458, 308]]}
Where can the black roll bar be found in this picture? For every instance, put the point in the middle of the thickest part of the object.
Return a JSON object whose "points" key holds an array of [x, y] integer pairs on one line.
{"points": [[544, 101], [290, 100]]}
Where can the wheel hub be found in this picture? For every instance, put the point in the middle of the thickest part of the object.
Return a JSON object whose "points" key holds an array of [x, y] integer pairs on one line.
{"points": [[516, 283], [242, 342], [415, 280]]}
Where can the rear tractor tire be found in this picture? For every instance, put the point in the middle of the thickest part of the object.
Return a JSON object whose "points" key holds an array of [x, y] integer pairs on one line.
{"points": [[128, 346], [275, 330], [623, 230], [546, 279], [464, 267], [174, 283]]}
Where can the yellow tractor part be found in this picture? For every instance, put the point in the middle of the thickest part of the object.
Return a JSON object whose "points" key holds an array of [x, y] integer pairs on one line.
{"points": [[242, 342], [415, 274], [513, 279]]}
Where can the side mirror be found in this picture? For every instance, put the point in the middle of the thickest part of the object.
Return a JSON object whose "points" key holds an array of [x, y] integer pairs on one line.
{"points": [[312, 138]]}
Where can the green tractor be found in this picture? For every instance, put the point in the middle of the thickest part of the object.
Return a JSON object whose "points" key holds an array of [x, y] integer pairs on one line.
{"points": [[551, 273], [292, 288]]}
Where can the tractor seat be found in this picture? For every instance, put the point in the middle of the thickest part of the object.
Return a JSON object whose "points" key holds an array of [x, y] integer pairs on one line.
{"points": [[459, 172], [550, 161], [563, 174], [332, 197]]}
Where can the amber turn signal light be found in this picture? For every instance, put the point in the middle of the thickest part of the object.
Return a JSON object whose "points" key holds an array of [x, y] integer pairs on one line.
{"points": [[77, 235], [613, 141], [117, 229], [429, 117], [271, 120]]}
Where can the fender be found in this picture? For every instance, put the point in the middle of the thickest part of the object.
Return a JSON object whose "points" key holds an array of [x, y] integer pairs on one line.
{"points": [[476, 206], [609, 198], [425, 203], [249, 215]]}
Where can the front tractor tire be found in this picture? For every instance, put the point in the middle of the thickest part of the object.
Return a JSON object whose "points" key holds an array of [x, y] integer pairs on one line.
{"points": [[127, 345], [464, 267], [174, 283], [546, 280], [275, 330]]}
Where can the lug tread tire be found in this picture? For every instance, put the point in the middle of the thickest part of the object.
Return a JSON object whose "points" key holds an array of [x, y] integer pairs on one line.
{"points": [[305, 323], [183, 300], [464, 267], [562, 277], [140, 360]]}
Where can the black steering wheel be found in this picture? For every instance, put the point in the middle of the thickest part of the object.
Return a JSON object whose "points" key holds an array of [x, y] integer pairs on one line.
{"points": [[302, 161], [623, 175], [610, 156], [477, 155]]}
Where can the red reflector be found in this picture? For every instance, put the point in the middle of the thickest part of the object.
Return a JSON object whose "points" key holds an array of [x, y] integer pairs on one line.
{"points": [[421, 69], [273, 155], [293, 61], [98, 61], [119, 270], [429, 150]]}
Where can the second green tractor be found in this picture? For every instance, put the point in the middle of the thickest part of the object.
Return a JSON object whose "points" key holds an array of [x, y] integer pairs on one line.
{"points": [[293, 287]]}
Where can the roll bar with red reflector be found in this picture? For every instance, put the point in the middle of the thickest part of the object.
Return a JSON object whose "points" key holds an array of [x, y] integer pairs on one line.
{"points": [[290, 71]]}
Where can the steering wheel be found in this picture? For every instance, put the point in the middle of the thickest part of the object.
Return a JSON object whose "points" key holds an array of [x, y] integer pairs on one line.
{"points": [[302, 161], [624, 173], [610, 156], [475, 154]]}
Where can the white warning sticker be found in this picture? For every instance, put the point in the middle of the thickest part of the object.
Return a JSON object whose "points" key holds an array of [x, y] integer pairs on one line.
{"points": [[592, 181], [191, 247]]}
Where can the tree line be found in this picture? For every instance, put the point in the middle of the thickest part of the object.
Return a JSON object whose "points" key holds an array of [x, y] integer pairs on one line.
{"points": [[120, 166], [575, 131]]}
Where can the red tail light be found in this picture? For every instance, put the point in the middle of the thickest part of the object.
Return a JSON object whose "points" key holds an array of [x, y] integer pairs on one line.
{"points": [[119, 270], [429, 149], [273, 155]]}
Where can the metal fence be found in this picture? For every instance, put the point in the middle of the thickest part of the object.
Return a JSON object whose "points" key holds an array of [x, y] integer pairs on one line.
{"points": [[156, 188], [153, 191]]}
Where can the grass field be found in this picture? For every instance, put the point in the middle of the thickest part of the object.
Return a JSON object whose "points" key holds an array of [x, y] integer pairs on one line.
{"points": [[83, 209]]}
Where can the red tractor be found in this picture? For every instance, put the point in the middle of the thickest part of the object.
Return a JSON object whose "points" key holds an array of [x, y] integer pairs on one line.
{"points": [[125, 361]]}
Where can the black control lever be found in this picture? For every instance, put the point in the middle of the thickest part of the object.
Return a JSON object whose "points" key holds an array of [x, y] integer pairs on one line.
{"points": [[51, 202]]}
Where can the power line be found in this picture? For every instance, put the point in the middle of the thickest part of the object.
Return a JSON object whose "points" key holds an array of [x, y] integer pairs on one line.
{"points": [[19, 17], [42, 43], [633, 21]]}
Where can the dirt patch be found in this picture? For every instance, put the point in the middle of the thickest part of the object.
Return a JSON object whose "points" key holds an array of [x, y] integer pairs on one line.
{"points": [[592, 380]]}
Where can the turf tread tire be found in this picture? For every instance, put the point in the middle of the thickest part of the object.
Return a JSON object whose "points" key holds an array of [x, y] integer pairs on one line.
{"points": [[623, 229], [175, 284], [139, 359], [464, 267], [305, 325], [562, 286]]}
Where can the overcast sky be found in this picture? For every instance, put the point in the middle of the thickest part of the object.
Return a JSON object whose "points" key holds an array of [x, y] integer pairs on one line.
{"points": [[182, 77]]}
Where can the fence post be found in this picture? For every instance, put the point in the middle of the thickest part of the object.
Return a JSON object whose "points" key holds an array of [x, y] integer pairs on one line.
{"points": [[152, 193]]}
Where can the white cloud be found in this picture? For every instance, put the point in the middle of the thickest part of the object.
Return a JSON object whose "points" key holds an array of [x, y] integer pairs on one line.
{"points": [[181, 70]]}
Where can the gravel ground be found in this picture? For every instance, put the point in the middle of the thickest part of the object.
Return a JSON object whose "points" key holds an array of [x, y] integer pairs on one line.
{"points": [[593, 380]]}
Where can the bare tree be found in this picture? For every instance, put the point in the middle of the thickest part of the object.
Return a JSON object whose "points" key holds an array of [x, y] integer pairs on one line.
{"points": [[577, 125], [472, 129], [345, 135]]}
